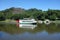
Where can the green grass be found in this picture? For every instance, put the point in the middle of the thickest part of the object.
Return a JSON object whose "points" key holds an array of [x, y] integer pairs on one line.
{"points": [[8, 20]]}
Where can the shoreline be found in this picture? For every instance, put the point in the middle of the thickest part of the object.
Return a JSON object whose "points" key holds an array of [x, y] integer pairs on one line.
{"points": [[38, 21]]}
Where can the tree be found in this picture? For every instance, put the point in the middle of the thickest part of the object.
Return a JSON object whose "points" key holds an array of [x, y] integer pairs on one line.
{"points": [[2, 17]]}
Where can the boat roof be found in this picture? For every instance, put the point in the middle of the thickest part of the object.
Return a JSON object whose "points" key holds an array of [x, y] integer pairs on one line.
{"points": [[27, 19]]}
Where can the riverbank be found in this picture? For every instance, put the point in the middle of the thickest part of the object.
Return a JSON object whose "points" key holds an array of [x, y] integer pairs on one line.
{"points": [[39, 21], [48, 21], [9, 21], [57, 21]]}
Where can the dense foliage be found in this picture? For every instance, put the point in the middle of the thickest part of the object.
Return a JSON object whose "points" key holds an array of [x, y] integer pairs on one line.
{"points": [[19, 13]]}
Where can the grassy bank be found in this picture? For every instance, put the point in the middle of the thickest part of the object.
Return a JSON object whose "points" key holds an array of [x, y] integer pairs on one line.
{"points": [[56, 21], [8, 21]]}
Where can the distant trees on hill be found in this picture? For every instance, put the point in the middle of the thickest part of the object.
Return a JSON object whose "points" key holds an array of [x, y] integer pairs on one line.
{"points": [[19, 13]]}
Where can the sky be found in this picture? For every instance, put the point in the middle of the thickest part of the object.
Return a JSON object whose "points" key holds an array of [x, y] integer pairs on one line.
{"points": [[27, 4]]}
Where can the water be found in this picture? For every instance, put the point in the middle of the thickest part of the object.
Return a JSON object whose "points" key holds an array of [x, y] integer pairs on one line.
{"points": [[41, 32]]}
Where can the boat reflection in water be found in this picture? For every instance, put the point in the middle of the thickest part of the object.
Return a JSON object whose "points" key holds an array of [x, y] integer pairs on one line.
{"points": [[32, 26]]}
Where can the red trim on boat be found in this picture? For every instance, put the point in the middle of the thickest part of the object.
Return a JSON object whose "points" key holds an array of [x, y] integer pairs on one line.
{"points": [[17, 23]]}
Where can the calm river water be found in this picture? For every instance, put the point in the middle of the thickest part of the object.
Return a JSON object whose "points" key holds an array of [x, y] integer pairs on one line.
{"points": [[41, 32]]}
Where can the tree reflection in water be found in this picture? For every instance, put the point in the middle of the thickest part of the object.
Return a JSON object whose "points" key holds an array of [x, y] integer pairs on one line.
{"points": [[13, 29]]}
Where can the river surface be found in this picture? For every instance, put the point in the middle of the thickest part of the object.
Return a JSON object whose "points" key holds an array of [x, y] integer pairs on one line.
{"points": [[41, 32]]}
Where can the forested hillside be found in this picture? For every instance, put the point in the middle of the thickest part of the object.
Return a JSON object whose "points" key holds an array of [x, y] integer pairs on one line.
{"points": [[20, 13]]}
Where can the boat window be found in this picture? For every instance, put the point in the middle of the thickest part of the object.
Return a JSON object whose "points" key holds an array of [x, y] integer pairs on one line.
{"points": [[27, 21]]}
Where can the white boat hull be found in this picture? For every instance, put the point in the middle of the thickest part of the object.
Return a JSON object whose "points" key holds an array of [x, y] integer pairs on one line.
{"points": [[27, 22]]}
